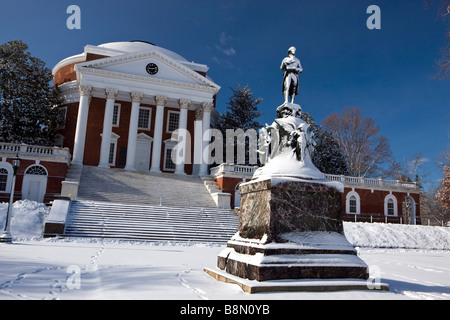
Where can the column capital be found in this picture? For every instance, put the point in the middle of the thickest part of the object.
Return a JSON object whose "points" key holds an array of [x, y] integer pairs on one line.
{"points": [[184, 104], [85, 90], [199, 114], [161, 100], [207, 106], [136, 97], [111, 93]]}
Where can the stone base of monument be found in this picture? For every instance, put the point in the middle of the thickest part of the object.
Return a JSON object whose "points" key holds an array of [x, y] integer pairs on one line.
{"points": [[312, 285], [290, 237]]}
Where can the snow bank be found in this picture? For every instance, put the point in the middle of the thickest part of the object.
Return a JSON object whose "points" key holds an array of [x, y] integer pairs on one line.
{"points": [[385, 235], [27, 220]]}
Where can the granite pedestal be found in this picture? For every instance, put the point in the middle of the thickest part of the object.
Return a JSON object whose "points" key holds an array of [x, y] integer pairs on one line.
{"points": [[291, 229]]}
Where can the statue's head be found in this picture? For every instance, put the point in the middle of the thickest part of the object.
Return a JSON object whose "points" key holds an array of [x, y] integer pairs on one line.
{"points": [[292, 50]]}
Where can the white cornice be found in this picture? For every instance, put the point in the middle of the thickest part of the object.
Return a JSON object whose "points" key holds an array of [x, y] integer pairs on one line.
{"points": [[90, 66], [155, 81]]}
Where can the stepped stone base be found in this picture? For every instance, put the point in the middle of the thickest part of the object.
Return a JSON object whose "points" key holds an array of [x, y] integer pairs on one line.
{"points": [[290, 229], [303, 255], [251, 287]]}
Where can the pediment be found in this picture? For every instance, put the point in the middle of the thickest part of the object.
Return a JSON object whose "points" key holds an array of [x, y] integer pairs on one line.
{"points": [[135, 65]]}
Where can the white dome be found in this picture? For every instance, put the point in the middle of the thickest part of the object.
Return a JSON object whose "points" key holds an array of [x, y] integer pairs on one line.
{"points": [[136, 46]]}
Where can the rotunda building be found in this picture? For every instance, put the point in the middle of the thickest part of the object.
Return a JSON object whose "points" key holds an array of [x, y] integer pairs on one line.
{"points": [[129, 104]]}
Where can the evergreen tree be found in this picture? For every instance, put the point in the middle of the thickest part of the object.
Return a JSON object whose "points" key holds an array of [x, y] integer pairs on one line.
{"points": [[241, 113], [27, 100], [327, 157], [242, 110]]}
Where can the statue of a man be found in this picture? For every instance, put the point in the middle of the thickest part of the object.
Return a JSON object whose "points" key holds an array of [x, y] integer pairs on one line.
{"points": [[292, 67]]}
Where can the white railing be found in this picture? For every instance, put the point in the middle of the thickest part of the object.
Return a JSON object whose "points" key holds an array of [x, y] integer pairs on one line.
{"points": [[371, 182], [242, 170], [236, 169], [38, 152]]}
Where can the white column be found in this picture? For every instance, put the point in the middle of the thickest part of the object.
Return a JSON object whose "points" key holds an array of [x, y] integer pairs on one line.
{"points": [[182, 136], [107, 127], [157, 139], [80, 132], [206, 124], [136, 99], [198, 141]]}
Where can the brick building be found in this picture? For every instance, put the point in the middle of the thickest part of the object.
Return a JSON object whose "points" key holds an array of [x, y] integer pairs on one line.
{"points": [[40, 174], [124, 100]]}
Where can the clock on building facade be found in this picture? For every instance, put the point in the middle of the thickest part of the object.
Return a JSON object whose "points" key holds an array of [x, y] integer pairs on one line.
{"points": [[152, 69]]}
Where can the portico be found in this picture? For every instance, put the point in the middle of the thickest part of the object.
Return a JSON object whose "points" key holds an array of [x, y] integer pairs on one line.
{"points": [[122, 95]]}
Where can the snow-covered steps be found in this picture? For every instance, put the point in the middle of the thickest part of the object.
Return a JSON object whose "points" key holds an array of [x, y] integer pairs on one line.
{"points": [[146, 188], [149, 223]]}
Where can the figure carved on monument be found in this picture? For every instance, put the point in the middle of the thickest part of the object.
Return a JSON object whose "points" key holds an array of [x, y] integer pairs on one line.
{"points": [[287, 133], [292, 67]]}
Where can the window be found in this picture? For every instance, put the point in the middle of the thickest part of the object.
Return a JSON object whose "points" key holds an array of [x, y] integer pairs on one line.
{"points": [[169, 165], [112, 149], [61, 118], [36, 170], [173, 119], [390, 205], [353, 203], [116, 115], [3, 179], [144, 118]]}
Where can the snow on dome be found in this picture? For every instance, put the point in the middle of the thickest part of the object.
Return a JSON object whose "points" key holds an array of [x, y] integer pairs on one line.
{"points": [[136, 46]]}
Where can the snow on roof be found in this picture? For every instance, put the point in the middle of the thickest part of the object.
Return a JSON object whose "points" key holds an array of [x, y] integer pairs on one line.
{"points": [[136, 46]]}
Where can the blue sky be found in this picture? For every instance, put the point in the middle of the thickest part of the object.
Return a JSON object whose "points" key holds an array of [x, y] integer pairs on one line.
{"points": [[388, 73]]}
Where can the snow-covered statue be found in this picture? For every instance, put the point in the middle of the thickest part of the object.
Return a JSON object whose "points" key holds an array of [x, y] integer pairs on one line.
{"points": [[286, 146], [291, 67]]}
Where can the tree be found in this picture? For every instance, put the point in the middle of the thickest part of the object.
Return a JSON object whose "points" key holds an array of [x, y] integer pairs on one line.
{"points": [[444, 13], [409, 171], [242, 110], [27, 100], [443, 193], [358, 138], [328, 156]]}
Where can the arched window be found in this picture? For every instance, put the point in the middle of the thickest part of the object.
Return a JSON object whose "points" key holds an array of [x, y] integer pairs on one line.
{"points": [[37, 170], [6, 174], [3, 179], [390, 205], [353, 203]]}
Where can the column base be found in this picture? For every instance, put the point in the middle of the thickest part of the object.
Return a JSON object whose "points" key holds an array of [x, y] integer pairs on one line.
{"points": [[104, 165]]}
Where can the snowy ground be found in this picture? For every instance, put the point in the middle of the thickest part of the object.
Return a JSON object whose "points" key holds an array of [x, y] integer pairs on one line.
{"points": [[414, 261]]}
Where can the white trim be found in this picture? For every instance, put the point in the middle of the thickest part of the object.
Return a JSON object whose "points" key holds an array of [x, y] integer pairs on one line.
{"points": [[394, 199], [347, 202]]}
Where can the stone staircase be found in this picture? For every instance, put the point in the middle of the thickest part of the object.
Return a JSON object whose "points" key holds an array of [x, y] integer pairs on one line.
{"points": [[149, 223], [145, 188]]}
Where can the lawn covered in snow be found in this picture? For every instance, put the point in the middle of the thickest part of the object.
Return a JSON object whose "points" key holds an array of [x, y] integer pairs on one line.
{"points": [[413, 260]]}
